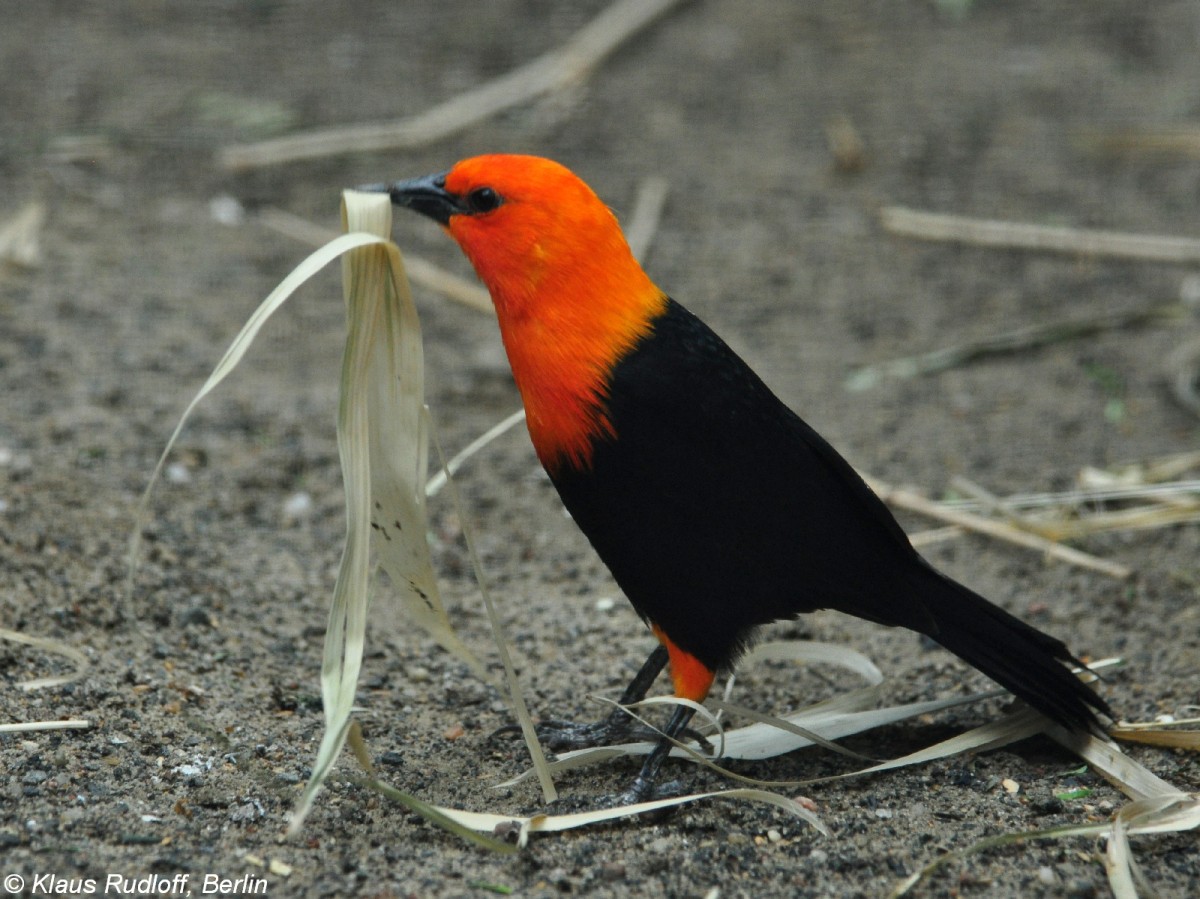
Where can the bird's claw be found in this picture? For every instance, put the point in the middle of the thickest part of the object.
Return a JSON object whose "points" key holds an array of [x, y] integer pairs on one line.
{"points": [[641, 792], [563, 736]]}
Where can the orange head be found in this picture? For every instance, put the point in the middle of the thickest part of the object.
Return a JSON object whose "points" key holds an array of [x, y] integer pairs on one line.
{"points": [[570, 298]]}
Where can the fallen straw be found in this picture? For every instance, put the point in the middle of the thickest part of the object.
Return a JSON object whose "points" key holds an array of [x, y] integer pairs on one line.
{"points": [[551, 71], [914, 502], [1023, 236]]}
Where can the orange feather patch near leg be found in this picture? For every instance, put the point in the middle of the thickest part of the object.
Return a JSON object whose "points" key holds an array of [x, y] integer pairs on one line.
{"points": [[692, 678]]}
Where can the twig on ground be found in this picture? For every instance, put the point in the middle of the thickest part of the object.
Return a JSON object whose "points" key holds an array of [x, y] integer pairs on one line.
{"points": [[1181, 142], [78, 660], [559, 68], [914, 502], [1023, 236], [1008, 342], [25, 727], [647, 211], [1074, 513]]}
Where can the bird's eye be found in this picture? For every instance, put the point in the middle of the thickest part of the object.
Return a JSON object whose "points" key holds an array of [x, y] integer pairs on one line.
{"points": [[483, 199]]}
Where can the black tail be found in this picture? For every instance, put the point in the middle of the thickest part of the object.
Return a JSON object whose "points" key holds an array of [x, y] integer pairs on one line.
{"points": [[1017, 656]]}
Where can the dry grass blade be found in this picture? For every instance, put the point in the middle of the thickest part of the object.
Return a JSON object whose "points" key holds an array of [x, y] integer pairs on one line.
{"points": [[524, 826], [447, 819], [1022, 236], [1157, 807], [1006, 839], [383, 446], [515, 695], [840, 716], [1184, 493], [420, 271], [237, 349], [450, 469], [1147, 518], [1166, 814], [1171, 813], [57, 647], [384, 347], [1072, 513], [1163, 735], [914, 502], [382, 437], [552, 71], [1181, 142], [1134, 780], [760, 741], [814, 653], [647, 210]]}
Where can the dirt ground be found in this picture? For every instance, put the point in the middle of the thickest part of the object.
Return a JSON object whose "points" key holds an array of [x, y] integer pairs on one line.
{"points": [[206, 719]]}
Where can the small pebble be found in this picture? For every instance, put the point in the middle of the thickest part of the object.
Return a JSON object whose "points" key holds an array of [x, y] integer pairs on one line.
{"points": [[605, 604], [1081, 889], [177, 473], [774, 836], [297, 507], [883, 813], [1045, 876], [1010, 785], [246, 812], [226, 210], [612, 871]]}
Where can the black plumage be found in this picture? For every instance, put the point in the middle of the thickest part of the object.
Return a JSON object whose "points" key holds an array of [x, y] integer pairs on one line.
{"points": [[718, 509]]}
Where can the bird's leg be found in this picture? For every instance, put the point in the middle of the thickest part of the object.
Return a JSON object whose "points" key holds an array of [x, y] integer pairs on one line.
{"points": [[643, 788], [617, 727]]}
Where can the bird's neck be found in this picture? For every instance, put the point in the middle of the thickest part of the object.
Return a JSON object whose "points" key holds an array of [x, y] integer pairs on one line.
{"points": [[564, 336]]}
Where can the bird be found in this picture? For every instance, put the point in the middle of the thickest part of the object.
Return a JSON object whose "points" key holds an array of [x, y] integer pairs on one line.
{"points": [[716, 508]]}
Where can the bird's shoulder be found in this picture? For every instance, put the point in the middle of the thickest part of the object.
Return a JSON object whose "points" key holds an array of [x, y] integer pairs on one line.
{"points": [[701, 413]]}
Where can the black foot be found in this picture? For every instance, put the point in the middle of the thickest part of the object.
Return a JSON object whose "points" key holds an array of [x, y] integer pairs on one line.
{"points": [[640, 791], [619, 727]]}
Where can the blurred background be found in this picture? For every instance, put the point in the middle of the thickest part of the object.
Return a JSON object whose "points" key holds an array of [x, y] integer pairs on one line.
{"points": [[145, 210]]}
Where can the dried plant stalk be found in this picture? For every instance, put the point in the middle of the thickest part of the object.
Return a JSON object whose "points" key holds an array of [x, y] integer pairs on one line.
{"points": [[944, 227], [554, 70]]}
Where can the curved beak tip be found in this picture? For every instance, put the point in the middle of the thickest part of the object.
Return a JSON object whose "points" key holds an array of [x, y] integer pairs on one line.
{"points": [[426, 195]]}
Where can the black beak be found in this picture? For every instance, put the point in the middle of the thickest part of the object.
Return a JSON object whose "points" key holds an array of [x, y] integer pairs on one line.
{"points": [[426, 195]]}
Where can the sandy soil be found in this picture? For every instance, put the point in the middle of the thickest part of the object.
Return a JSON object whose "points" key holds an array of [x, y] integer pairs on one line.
{"points": [[204, 723]]}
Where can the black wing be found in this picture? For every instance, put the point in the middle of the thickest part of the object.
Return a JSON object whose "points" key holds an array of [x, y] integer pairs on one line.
{"points": [[717, 508]]}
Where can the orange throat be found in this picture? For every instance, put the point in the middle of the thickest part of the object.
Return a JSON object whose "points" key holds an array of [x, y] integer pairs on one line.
{"points": [[570, 298], [563, 356]]}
